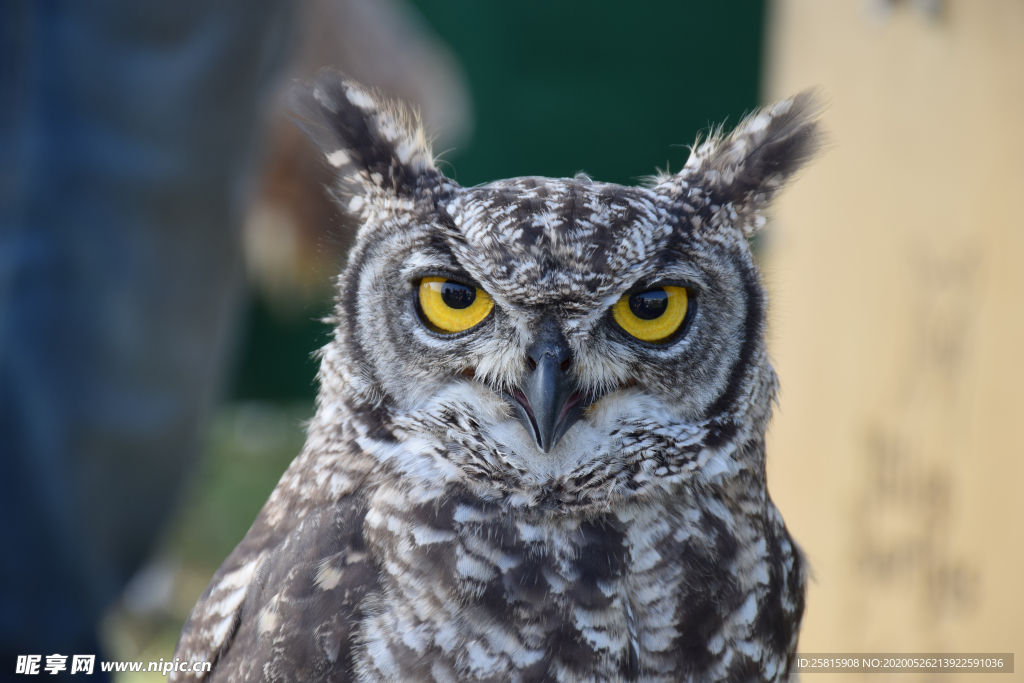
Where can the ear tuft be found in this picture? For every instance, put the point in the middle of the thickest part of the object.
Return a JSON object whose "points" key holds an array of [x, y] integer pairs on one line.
{"points": [[378, 147], [745, 169]]}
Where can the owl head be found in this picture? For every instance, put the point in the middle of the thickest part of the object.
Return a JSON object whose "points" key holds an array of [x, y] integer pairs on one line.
{"points": [[539, 334]]}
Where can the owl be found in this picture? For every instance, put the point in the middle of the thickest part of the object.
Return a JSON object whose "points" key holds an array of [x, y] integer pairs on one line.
{"points": [[538, 452]]}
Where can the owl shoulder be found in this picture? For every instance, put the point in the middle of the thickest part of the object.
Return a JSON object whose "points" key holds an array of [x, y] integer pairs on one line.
{"points": [[288, 596]]}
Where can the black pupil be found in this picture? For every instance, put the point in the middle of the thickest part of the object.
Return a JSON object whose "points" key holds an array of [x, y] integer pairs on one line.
{"points": [[649, 305], [456, 295]]}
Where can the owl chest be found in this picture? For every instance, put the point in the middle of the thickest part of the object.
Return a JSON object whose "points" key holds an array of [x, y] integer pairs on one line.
{"points": [[473, 591]]}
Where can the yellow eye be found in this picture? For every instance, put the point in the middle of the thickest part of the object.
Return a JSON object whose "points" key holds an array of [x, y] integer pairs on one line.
{"points": [[654, 315], [451, 306]]}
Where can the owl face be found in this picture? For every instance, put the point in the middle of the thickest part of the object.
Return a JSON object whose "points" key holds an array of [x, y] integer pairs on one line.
{"points": [[566, 266], [554, 316]]}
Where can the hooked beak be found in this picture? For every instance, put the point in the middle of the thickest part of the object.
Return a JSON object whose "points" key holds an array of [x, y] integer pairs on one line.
{"points": [[549, 403]]}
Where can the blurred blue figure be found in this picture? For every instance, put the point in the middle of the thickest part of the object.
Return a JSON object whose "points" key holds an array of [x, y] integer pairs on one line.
{"points": [[126, 145]]}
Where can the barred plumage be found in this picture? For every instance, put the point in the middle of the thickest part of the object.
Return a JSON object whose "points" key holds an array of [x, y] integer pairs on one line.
{"points": [[441, 523]]}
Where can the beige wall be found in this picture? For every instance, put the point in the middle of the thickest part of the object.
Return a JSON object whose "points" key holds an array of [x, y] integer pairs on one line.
{"points": [[896, 266]]}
